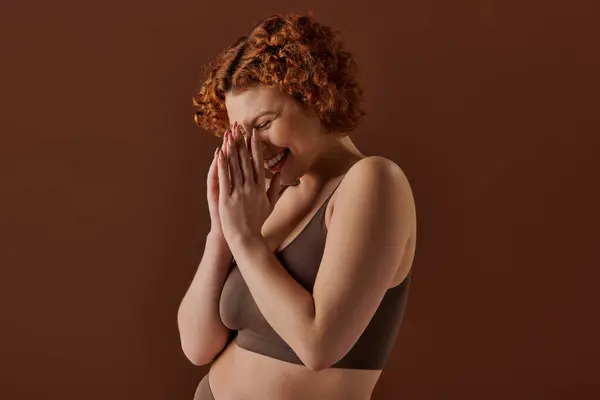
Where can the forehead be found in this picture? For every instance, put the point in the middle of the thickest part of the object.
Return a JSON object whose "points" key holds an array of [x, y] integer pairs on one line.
{"points": [[245, 105]]}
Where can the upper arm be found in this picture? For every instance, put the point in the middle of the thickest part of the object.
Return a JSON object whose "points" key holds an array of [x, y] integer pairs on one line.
{"points": [[372, 221]]}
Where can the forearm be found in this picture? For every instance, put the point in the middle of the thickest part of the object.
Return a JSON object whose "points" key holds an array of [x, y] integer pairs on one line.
{"points": [[285, 304], [201, 330]]}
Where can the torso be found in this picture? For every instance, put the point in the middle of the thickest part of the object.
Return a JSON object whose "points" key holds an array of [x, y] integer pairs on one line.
{"points": [[292, 213], [241, 374]]}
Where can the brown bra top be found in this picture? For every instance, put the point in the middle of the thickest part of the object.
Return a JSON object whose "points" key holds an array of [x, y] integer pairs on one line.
{"points": [[301, 259]]}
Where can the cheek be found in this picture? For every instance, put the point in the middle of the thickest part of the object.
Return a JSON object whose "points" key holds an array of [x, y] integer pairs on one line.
{"points": [[281, 134], [295, 129]]}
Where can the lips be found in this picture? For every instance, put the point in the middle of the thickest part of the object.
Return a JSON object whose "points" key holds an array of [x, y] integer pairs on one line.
{"points": [[266, 159], [278, 166]]}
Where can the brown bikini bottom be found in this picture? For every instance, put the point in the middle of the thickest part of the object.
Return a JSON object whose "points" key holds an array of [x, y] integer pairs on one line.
{"points": [[203, 391]]}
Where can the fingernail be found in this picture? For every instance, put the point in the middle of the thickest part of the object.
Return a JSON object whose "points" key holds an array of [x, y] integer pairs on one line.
{"points": [[253, 135], [216, 151]]}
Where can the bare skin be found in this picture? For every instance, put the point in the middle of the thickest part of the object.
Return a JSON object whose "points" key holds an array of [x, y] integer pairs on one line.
{"points": [[241, 374], [320, 161]]}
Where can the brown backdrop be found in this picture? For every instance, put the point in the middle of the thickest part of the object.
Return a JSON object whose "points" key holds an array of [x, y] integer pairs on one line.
{"points": [[490, 107]]}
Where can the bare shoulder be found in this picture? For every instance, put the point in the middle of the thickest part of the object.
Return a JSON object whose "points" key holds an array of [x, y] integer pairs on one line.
{"points": [[376, 172], [377, 183]]}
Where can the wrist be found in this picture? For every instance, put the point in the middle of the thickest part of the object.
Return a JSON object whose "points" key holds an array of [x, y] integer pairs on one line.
{"points": [[245, 241], [216, 239]]}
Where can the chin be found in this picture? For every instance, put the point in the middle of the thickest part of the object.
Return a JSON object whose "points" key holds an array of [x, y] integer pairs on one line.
{"points": [[289, 177], [291, 182], [287, 180]]}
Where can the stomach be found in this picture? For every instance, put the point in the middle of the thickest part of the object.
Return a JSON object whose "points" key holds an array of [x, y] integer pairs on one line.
{"points": [[239, 374]]}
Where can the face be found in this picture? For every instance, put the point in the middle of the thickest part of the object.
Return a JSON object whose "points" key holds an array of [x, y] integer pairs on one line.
{"points": [[281, 126]]}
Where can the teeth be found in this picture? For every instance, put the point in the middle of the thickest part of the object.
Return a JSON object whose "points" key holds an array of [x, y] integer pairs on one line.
{"points": [[275, 159]]}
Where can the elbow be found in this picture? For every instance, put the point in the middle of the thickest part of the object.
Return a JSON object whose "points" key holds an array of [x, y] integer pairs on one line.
{"points": [[317, 365], [323, 354], [196, 356], [318, 350], [198, 360], [316, 359]]}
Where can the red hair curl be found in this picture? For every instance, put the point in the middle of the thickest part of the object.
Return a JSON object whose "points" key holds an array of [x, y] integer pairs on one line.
{"points": [[294, 54]]}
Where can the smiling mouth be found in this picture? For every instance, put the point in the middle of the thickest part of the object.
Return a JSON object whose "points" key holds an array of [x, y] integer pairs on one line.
{"points": [[275, 163]]}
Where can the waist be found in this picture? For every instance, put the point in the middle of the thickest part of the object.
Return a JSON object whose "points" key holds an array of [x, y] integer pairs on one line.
{"points": [[239, 373], [370, 352]]}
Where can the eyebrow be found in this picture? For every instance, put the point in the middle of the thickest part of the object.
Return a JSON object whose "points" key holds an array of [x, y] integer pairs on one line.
{"points": [[260, 114]]}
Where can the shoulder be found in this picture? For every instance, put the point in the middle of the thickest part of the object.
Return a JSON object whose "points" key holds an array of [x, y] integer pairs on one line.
{"points": [[379, 187], [375, 197], [375, 163], [375, 173]]}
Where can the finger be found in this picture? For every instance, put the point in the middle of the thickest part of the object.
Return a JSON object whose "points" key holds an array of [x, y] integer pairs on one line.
{"points": [[248, 142], [234, 163], [224, 182], [213, 177], [224, 145], [238, 141], [245, 162], [227, 151], [257, 159], [256, 166]]}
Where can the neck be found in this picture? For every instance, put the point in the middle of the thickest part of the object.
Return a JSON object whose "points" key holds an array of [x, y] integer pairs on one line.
{"points": [[336, 156]]}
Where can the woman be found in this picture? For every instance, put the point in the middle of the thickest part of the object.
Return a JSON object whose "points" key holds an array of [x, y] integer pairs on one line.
{"points": [[302, 286]]}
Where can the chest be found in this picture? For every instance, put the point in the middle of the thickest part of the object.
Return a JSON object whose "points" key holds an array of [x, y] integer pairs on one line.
{"points": [[293, 214], [298, 246]]}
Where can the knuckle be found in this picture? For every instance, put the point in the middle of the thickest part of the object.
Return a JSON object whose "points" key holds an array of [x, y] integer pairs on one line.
{"points": [[247, 188]]}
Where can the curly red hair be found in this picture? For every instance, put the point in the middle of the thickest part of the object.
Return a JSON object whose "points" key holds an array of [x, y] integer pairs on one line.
{"points": [[294, 54]]}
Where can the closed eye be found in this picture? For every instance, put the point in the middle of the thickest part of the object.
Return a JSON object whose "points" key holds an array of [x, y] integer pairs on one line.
{"points": [[264, 125]]}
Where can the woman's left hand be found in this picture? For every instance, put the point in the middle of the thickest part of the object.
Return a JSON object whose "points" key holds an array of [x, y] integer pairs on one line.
{"points": [[244, 203]]}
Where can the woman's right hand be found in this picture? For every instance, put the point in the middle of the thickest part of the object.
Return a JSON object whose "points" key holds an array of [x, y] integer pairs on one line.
{"points": [[213, 193]]}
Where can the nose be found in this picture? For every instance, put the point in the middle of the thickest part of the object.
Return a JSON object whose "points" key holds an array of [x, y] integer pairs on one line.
{"points": [[262, 144], [243, 131], [259, 139]]}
